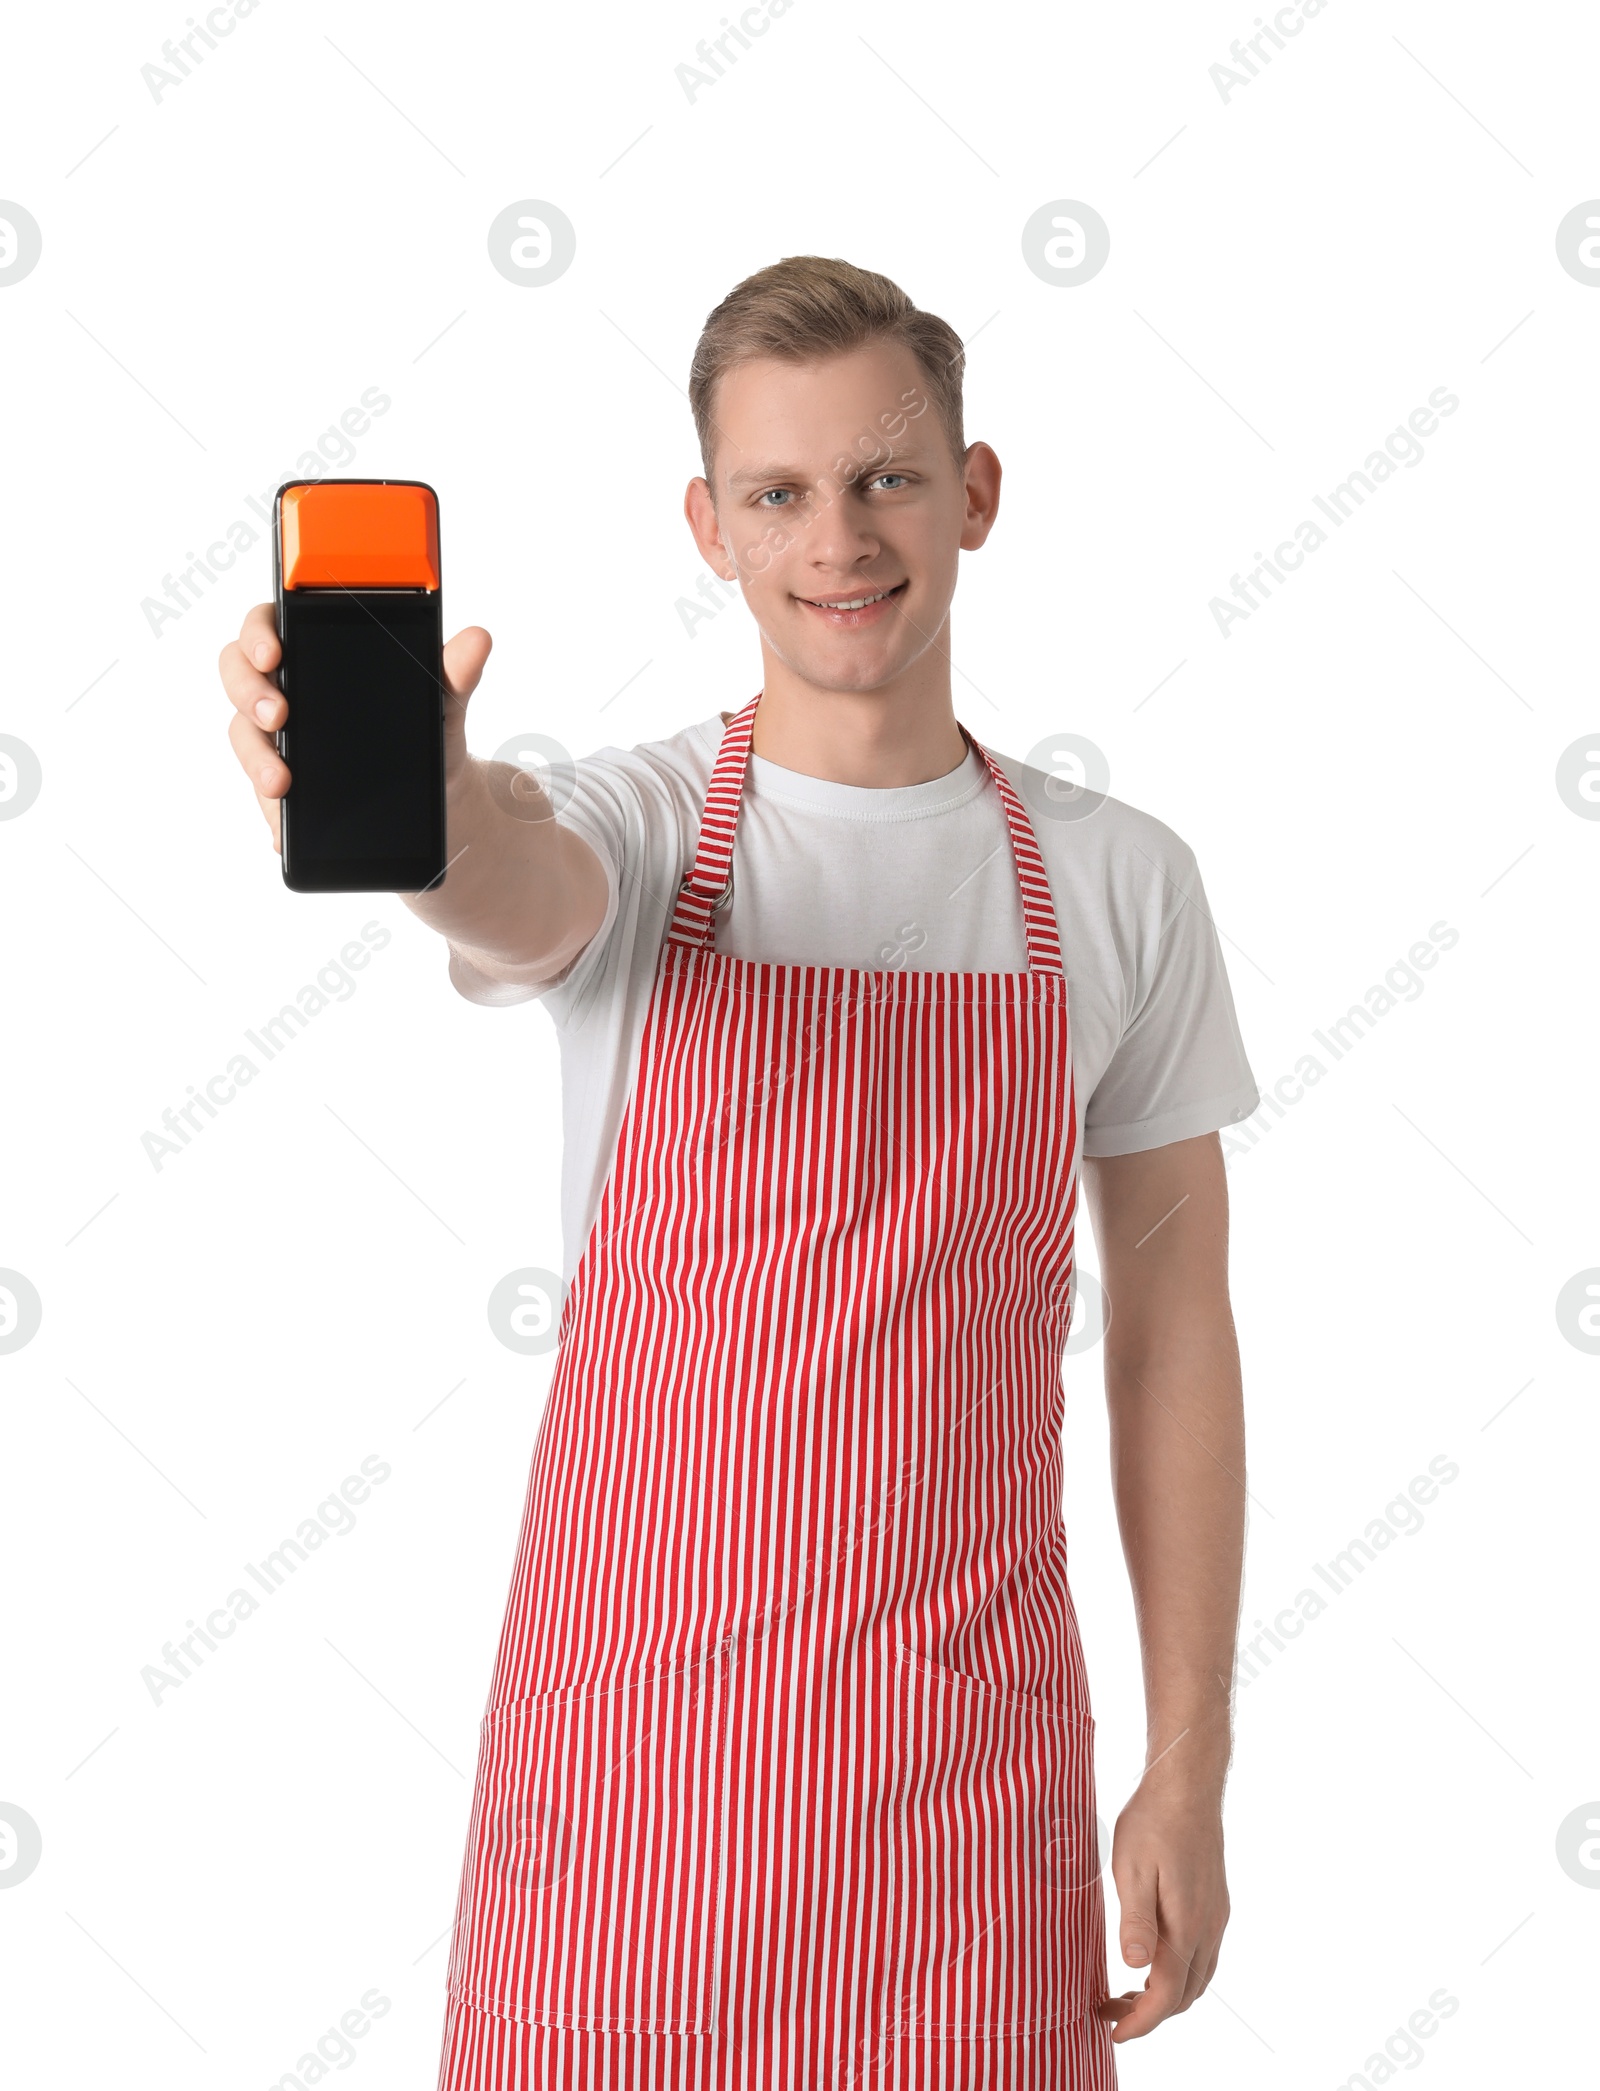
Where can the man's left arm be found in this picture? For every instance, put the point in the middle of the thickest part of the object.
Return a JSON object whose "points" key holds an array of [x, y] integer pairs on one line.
{"points": [[1177, 1452]]}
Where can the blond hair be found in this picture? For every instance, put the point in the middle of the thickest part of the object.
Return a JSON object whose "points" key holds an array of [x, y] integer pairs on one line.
{"points": [[806, 307]]}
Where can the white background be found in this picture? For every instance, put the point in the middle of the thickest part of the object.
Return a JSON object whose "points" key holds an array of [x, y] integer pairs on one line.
{"points": [[224, 1339]]}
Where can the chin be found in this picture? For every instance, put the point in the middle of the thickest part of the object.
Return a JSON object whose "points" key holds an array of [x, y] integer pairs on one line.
{"points": [[852, 663], [849, 678]]}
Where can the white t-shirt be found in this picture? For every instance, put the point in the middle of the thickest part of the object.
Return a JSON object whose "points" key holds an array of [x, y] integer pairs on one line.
{"points": [[918, 875]]}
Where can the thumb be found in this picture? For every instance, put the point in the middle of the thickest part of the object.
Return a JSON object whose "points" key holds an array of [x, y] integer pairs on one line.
{"points": [[464, 658], [1138, 1934]]}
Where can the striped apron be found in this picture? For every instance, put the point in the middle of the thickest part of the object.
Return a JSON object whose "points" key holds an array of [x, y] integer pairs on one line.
{"points": [[787, 1772]]}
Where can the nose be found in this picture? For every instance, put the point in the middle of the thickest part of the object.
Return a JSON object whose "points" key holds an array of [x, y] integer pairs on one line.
{"points": [[840, 538]]}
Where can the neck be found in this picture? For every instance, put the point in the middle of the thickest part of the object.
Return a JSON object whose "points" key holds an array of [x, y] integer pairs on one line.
{"points": [[902, 733]]}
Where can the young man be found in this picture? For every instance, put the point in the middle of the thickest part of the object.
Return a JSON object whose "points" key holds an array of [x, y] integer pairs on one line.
{"points": [[786, 1777]]}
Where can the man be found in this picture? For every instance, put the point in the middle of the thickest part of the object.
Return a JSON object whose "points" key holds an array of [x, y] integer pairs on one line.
{"points": [[787, 1773]]}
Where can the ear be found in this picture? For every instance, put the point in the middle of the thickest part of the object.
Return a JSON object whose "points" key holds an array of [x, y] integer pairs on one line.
{"points": [[700, 512], [982, 475]]}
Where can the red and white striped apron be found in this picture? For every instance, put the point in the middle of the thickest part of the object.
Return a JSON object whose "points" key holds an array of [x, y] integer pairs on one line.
{"points": [[787, 1772]]}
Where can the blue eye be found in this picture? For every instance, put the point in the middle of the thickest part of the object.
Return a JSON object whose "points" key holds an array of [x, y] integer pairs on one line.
{"points": [[882, 476], [781, 491]]}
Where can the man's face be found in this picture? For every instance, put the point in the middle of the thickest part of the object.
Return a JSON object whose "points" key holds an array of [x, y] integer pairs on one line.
{"points": [[841, 508]]}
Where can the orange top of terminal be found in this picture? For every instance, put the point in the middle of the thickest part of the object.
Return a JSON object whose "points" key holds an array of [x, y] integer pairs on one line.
{"points": [[361, 533]]}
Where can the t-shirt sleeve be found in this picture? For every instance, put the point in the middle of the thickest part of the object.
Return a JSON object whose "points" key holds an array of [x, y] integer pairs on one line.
{"points": [[637, 815], [558, 991], [604, 807], [601, 806], [1179, 1068]]}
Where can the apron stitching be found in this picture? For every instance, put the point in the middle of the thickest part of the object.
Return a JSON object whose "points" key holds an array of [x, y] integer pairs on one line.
{"points": [[710, 2013]]}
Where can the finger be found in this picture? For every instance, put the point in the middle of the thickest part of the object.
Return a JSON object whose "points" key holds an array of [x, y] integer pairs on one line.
{"points": [[1207, 1963], [1191, 1957], [464, 658], [1138, 1932], [1161, 1996], [258, 637], [1115, 2008], [250, 688], [1131, 2016], [258, 758], [251, 693], [1195, 1934]]}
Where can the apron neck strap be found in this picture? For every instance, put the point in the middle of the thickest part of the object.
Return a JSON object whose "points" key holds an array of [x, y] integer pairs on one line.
{"points": [[709, 881]]}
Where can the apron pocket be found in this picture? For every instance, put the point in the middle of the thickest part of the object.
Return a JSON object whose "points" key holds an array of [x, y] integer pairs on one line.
{"points": [[1001, 1915], [594, 1871]]}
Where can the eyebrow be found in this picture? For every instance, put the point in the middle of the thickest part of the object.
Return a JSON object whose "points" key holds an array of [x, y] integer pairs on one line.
{"points": [[772, 475]]}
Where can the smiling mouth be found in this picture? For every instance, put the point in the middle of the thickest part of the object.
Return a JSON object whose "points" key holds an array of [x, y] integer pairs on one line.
{"points": [[854, 602]]}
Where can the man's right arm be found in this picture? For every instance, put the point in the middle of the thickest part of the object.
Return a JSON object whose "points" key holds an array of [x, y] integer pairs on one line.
{"points": [[522, 895]]}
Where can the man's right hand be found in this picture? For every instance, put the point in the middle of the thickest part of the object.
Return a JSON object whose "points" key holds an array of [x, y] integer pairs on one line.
{"points": [[248, 667], [522, 895]]}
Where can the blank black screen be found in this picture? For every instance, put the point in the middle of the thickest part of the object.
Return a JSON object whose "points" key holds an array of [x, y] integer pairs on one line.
{"points": [[363, 741]]}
